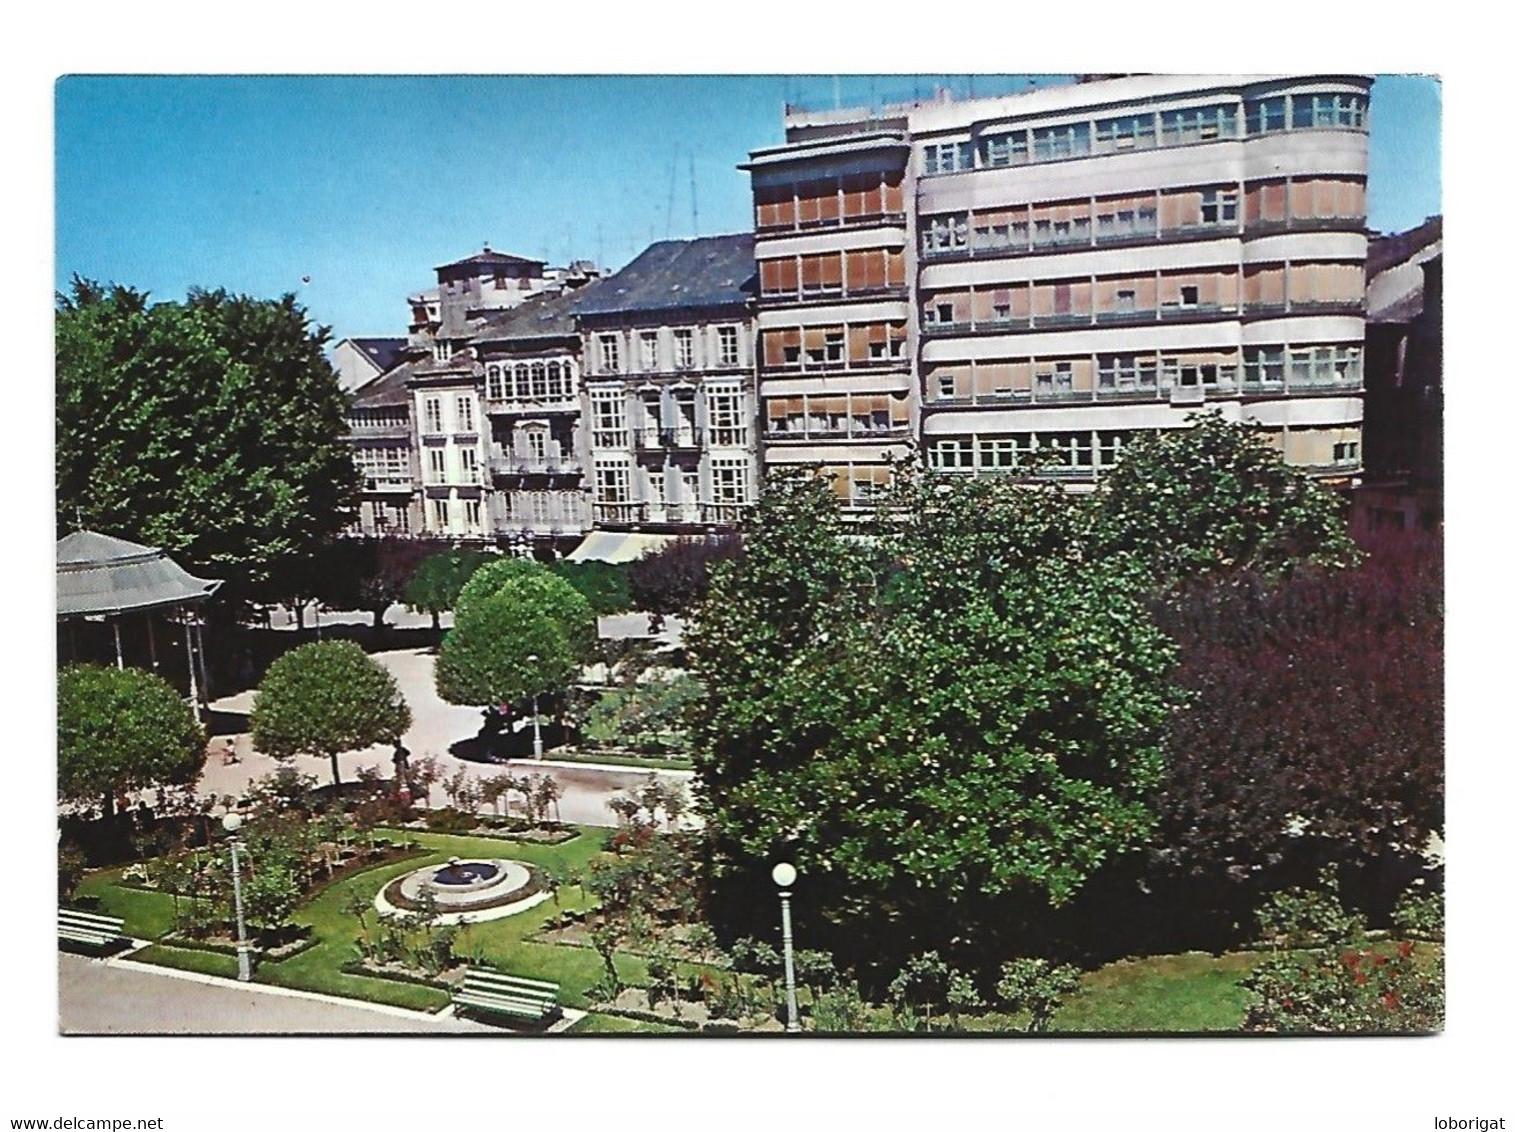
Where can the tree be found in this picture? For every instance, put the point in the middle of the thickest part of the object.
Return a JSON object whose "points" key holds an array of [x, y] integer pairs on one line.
{"points": [[211, 427], [675, 578], [379, 571], [324, 698], [122, 730], [964, 709], [1216, 496], [603, 584], [1314, 731], [518, 631], [439, 579]]}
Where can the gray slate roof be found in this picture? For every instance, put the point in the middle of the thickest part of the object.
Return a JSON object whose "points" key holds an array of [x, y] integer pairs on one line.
{"points": [[100, 574], [383, 352], [386, 389], [672, 275], [549, 316]]}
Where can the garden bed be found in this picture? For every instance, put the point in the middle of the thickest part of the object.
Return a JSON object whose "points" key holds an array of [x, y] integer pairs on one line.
{"points": [[302, 939], [446, 980], [499, 830]]}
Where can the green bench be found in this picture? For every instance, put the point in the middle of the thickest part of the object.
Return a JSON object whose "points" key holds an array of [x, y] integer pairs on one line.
{"points": [[91, 930], [488, 992]]}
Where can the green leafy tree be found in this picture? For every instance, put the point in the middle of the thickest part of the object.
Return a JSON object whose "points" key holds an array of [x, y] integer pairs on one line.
{"points": [[325, 698], [974, 713], [270, 895], [435, 584], [211, 427], [518, 631], [603, 584], [1216, 496], [121, 730]]}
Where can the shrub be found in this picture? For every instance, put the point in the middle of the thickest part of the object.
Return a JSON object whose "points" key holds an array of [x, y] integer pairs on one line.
{"points": [[1422, 913], [1351, 991], [1036, 987], [1309, 917], [70, 871]]}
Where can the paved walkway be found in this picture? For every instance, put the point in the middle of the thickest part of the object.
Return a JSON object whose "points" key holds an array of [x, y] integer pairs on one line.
{"points": [[119, 996], [436, 725]]}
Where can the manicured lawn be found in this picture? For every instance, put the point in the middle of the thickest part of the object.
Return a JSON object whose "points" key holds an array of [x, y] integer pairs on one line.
{"points": [[148, 915], [1190, 993], [615, 1024]]}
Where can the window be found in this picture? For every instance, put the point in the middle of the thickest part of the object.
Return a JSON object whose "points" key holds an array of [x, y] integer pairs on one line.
{"points": [[1003, 452], [608, 419], [726, 341], [945, 233], [436, 465], [536, 445], [726, 412], [950, 454], [729, 481], [946, 386], [433, 413], [1198, 123], [494, 386], [469, 459], [441, 350], [472, 514], [683, 349], [612, 482], [949, 157], [1218, 206], [1003, 149], [1127, 373], [610, 353], [398, 516], [1188, 296], [538, 381], [1136, 131], [463, 407], [439, 516], [1053, 143], [1329, 111], [1344, 451], [649, 345], [1263, 367], [1265, 115]]}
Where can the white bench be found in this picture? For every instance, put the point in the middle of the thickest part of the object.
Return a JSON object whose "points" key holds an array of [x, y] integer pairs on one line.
{"points": [[488, 992], [90, 929]]}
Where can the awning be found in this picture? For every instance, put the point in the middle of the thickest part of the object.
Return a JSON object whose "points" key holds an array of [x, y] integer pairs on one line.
{"points": [[615, 547]]}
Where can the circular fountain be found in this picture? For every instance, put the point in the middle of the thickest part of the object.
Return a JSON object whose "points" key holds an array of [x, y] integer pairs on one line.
{"points": [[475, 889]]}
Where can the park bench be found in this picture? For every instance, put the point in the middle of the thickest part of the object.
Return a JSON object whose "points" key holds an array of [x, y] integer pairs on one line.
{"points": [[488, 992], [89, 929]]}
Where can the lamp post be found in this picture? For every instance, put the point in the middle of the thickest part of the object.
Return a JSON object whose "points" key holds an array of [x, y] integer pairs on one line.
{"points": [[231, 823], [783, 876], [536, 719]]}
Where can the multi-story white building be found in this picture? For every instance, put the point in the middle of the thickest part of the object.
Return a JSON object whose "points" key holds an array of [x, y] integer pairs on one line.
{"points": [[1084, 262], [668, 387], [531, 396]]}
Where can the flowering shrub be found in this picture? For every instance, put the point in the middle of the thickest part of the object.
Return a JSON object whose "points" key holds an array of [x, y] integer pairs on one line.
{"points": [[1350, 991]]}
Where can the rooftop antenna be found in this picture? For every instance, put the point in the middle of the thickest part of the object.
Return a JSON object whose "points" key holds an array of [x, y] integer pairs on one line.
{"points": [[694, 200], [673, 167]]}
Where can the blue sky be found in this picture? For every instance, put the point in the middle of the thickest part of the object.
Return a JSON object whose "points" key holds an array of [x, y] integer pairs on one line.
{"points": [[363, 185]]}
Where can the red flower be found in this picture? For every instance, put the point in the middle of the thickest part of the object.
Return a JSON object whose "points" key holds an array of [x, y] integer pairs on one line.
{"points": [[1405, 947], [1391, 1000], [1359, 976], [1351, 958]]}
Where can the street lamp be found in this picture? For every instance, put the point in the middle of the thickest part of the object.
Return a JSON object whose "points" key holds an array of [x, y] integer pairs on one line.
{"points": [[232, 822], [536, 719], [783, 876]]}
